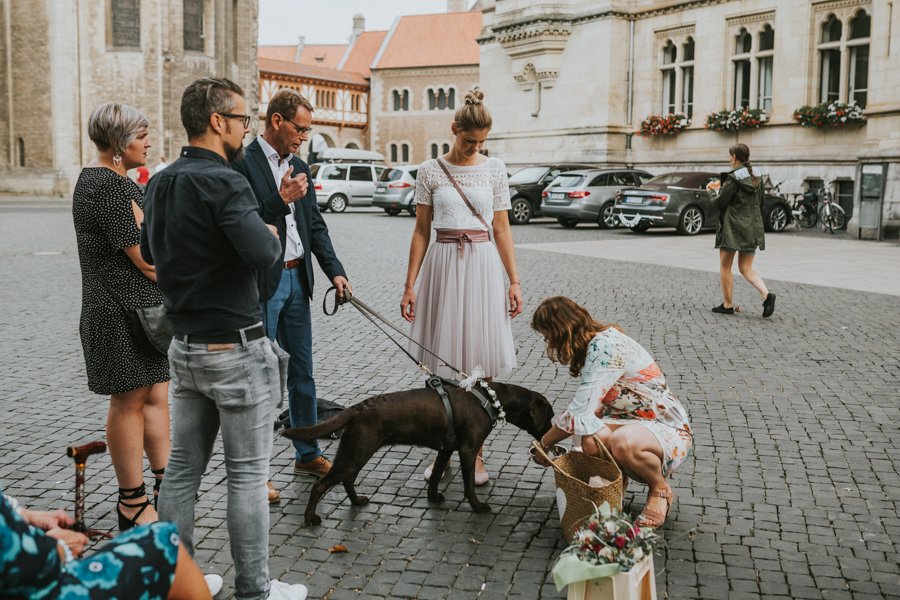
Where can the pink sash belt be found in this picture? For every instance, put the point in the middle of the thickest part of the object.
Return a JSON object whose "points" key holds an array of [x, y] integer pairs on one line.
{"points": [[461, 237]]}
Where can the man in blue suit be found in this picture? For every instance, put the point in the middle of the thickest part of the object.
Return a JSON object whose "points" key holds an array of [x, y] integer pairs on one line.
{"points": [[286, 199]]}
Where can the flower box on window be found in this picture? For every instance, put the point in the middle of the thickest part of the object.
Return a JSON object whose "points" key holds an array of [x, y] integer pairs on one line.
{"points": [[736, 119], [829, 114], [659, 125]]}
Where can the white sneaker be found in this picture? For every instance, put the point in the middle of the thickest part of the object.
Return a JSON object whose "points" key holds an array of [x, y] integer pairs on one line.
{"points": [[279, 590], [214, 583]]}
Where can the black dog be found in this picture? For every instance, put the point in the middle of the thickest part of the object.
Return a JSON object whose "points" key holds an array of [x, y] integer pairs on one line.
{"points": [[418, 418]]}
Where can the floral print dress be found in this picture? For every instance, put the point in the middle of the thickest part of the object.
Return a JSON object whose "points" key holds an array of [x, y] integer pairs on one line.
{"points": [[139, 563], [621, 384]]}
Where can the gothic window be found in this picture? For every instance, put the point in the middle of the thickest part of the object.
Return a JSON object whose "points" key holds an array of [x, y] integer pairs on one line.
{"points": [[451, 98], [432, 100], [394, 153], [441, 98], [405, 152], [830, 60], [193, 25], [125, 22], [401, 99], [844, 59]]}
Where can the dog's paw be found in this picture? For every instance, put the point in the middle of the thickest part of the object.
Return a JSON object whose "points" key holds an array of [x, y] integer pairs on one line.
{"points": [[481, 507], [313, 521], [360, 501], [438, 497]]}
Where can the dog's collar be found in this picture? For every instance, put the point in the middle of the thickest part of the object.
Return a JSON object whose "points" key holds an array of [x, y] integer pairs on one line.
{"points": [[485, 404]]}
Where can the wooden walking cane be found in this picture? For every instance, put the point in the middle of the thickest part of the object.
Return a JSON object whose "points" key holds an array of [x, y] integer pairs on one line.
{"points": [[80, 455]]}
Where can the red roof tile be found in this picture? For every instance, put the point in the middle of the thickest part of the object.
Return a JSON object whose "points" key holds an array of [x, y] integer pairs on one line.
{"points": [[284, 67], [320, 55], [362, 52], [432, 41]]}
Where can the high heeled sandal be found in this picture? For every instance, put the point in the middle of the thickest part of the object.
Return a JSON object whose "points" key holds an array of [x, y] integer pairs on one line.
{"points": [[654, 518], [126, 523], [156, 485]]}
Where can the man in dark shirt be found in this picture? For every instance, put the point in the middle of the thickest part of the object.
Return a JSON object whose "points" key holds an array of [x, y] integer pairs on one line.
{"points": [[203, 232]]}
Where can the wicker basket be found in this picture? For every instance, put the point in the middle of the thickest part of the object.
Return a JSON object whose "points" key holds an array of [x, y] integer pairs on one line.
{"points": [[575, 498]]}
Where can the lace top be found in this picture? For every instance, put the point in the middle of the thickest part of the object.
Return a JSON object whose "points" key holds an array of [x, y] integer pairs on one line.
{"points": [[485, 185]]}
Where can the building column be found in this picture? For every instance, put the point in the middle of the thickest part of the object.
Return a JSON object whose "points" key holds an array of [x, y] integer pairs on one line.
{"points": [[64, 130]]}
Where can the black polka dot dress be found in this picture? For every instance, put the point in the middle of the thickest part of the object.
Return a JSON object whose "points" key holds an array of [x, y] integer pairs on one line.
{"points": [[105, 226]]}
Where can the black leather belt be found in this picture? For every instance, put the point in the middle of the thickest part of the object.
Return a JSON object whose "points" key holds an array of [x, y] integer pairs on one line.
{"points": [[293, 263], [232, 337]]}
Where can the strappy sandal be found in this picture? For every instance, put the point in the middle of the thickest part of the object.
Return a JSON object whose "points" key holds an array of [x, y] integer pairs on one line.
{"points": [[131, 494], [158, 473], [653, 518]]}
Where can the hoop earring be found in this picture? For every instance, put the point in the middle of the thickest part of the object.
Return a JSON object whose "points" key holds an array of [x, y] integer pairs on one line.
{"points": [[117, 160]]}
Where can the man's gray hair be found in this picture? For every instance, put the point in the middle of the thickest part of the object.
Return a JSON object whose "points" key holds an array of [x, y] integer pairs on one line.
{"points": [[203, 98], [114, 125]]}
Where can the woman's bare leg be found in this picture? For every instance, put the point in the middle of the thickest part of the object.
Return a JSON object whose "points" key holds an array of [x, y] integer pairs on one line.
{"points": [[726, 260], [745, 266], [637, 451], [125, 440]]}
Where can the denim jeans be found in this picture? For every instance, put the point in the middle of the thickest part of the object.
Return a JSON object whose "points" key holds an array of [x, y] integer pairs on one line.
{"points": [[287, 319], [237, 391]]}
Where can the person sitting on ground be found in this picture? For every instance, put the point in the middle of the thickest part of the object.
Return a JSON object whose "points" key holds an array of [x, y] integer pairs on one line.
{"points": [[38, 560], [622, 401]]}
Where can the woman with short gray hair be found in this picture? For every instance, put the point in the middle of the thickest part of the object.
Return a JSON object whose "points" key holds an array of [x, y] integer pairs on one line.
{"points": [[107, 208]]}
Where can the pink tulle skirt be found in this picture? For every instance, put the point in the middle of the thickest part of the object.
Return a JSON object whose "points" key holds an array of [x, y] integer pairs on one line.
{"points": [[461, 311]]}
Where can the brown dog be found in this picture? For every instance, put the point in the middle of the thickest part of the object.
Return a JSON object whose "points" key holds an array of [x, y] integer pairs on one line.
{"points": [[417, 417]]}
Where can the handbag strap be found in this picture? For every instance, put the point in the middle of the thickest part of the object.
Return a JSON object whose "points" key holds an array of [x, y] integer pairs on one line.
{"points": [[462, 194]]}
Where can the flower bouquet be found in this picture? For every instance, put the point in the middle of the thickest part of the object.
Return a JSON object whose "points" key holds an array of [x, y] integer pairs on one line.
{"points": [[736, 119], [659, 125], [829, 114], [608, 545]]}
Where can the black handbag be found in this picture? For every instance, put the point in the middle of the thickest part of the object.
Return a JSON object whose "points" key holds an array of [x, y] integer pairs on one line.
{"points": [[149, 328]]}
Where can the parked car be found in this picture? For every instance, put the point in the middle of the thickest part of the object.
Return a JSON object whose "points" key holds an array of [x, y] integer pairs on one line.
{"points": [[588, 195], [680, 200], [342, 184], [525, 189], [396, 190]]}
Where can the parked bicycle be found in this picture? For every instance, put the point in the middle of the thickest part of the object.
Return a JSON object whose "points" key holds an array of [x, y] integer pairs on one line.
{"points": [[803, 207], [831, 215]]}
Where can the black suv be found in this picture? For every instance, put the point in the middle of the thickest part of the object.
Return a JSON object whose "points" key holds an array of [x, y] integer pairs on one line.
{"points": [[525, 189]]}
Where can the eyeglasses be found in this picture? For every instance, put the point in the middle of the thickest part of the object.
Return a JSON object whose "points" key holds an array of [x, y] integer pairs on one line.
{"points": [[244, 118], [300, 130]]}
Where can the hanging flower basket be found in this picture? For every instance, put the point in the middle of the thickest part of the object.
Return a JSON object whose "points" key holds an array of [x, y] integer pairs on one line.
{"points": [[661, 125], [829, 114], [736, 119]]}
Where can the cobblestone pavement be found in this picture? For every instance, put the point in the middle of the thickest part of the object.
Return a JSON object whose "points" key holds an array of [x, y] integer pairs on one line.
{"points": [[793, 492]]}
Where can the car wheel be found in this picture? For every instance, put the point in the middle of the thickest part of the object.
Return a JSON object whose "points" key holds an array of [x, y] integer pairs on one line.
{"points": [[337, 203], [392, 211], [640, 227], [777, 219], [567, 222], [691, 221], [607, 218], [412, 208], [520, 212]]}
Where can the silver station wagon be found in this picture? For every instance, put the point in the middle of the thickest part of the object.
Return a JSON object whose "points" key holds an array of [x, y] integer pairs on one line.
{"points": [[588, 196]]}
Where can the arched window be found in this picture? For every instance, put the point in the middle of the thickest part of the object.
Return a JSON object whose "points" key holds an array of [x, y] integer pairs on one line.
{"points": [[394, 153], [669, 74], [743, 45], [20, 143], [831, 30], [451, 99], [687, 78], [860, 28], [765, 55], [434, 151], [442, 99], [405, 151], [445, 148], [432, 99]]}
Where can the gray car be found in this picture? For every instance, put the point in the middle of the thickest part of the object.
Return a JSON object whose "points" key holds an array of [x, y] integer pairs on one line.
{"points": [[588, 196], [342, 184], [395, 190]]}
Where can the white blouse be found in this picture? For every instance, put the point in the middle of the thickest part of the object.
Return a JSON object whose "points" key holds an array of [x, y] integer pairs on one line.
{"points": [[486, 186]]}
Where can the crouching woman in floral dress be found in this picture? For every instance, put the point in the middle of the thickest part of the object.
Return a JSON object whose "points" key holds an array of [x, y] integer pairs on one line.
{"points": [[622, 401]]}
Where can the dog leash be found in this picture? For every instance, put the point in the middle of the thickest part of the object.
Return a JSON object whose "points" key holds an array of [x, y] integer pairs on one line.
{"points": [[433, 381]]}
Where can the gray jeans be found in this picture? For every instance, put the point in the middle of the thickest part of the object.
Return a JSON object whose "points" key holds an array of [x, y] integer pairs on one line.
{"points": [[238, 391]]}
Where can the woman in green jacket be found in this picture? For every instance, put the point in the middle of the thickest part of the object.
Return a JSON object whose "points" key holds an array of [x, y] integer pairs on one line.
{"points": [[739, 197]]}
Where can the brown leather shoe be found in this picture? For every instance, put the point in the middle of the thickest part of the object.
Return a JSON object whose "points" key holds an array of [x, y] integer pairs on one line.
{"points": [[318, 467], [274, 495]]}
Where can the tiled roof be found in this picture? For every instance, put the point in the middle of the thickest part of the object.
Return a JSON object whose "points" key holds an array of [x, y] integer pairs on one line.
{"points": [[320, 55], [286, 67], [431, 41], [361, 52]]}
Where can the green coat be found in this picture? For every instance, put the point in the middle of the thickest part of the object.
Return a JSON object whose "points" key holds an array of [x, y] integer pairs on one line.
{"points": [[740, 205]]}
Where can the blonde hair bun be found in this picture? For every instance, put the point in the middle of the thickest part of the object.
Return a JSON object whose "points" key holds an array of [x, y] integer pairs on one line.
{"points": [[474, 97]]}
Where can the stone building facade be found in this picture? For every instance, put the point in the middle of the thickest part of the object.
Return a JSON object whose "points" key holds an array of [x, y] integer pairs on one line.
{"points": [[419, 78], [572, 81], [59, 60]]}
